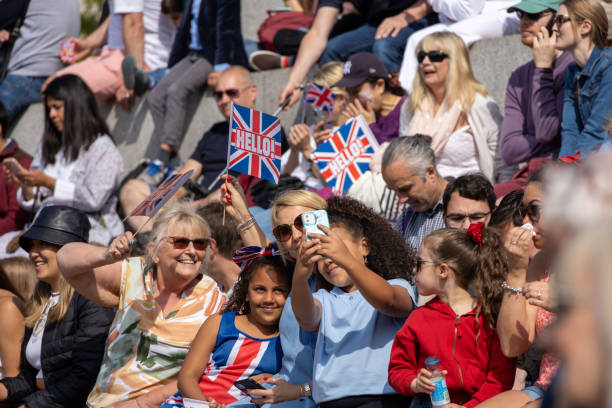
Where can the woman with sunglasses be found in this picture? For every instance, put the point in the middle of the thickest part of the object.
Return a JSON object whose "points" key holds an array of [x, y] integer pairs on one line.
{"points": [[527, 305], [161, 303], [581, 27], [448, 104], [294, 381], [65, 332]]}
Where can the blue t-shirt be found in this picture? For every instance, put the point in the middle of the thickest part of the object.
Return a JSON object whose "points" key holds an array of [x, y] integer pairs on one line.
{"points": [[353, 345]]}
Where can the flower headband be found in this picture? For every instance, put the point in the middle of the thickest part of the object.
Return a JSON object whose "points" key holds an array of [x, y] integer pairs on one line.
{"points": [[245, 256], [475, 232]]}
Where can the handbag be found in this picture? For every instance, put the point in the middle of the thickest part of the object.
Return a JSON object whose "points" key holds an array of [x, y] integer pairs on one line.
{"points": [[277, 20], [18, 16]]}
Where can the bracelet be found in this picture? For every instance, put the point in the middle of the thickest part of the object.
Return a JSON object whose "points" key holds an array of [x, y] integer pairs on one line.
{"points": [[246, 225], [306, 391], [516, 291]]}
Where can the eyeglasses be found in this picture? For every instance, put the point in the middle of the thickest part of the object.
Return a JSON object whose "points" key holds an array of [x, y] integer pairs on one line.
{"points": [[532, 210], [232, 93], [474, 217], [199, 244], [560, 19], [530, 16], [420, 261], [283, 232], [434, 56]]}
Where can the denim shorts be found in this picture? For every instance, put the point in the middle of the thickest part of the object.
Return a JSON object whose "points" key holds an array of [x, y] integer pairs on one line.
{"points": [[533, 392]]}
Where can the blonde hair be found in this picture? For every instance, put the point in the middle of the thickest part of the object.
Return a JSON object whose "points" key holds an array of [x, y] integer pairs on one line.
{"points": [[329, 74], [592, 10], [302, 198], [42, 293], [21, 274], [460, 82]]}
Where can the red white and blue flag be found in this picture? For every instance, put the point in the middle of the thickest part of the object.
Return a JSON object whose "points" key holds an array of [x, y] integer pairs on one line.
{"points": [[346, 155], [254, 143], [320, 97], [156, 200]]}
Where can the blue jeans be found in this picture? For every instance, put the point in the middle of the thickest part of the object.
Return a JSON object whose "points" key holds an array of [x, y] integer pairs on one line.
{"points": [[390, 50], [17, 92]]}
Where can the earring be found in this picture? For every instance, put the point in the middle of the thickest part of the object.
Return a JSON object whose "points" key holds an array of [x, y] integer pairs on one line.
{"points": [[365, 259]]}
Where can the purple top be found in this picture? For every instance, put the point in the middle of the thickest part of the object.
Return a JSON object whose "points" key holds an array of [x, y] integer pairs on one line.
{"points": [[534, 104], [386, 128]]}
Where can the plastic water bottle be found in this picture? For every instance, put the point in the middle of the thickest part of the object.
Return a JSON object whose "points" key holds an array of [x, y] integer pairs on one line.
{"points": [[439, 397]]}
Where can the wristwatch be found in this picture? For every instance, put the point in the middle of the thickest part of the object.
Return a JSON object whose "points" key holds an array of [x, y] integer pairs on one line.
{"points": [[306, 390]]}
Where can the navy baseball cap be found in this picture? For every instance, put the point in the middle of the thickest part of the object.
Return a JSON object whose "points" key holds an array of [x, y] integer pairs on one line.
{"points": [[361, 67]]}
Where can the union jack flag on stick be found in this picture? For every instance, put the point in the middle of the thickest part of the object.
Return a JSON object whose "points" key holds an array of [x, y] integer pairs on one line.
{"points": [[156, 200], [346, 155], [320, 97], [254, 143]]}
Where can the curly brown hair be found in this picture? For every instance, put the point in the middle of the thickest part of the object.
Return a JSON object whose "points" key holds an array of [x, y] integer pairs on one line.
{"points": [[238, 300], [485, 264], [389, 255]]}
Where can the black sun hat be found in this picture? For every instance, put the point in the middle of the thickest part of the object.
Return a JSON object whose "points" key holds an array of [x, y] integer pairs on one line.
{"points": [[57, 224]]}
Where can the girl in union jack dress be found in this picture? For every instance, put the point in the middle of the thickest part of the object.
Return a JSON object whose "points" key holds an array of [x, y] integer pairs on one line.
{"points": [[241, 342]]}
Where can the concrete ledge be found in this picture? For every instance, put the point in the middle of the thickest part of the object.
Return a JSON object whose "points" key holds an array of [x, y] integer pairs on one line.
{"points": [[493, 60]]}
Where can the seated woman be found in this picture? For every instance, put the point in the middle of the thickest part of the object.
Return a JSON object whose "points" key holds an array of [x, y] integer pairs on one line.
{"points": [[448, 104], [304, 139], [372, 94], [581, 28], [161, 303], [243, 341], [65, 332], [11, 327], [77, 163]]}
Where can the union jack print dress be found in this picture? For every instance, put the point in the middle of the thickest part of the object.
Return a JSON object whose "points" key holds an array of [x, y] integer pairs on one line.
{"points": [[236, 356]]}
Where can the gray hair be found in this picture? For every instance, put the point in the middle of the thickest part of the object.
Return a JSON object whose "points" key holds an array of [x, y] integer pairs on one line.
{"points": [[414, 150]]}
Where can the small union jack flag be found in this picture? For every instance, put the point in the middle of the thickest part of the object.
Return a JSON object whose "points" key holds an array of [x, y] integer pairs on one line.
{"points": [[346, 155], [320, 97], [156, 200], [244, 256], [254, 143]]}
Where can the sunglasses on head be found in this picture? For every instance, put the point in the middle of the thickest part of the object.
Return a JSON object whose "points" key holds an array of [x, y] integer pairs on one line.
{"points": [[283, 232], [531, 210], [530, 16], [434, 56], [199, 244]]}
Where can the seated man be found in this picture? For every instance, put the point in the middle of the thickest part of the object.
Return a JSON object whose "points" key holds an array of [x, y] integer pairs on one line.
{"points": [[136, 28], [35, 54], [389, 23], [409, 170], [467, 200], [210, 156]]}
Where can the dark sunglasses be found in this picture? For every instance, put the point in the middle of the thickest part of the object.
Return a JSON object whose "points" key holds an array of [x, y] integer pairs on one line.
{"points": [[560, 19], [530, 16], [434, 56], [475, 217], [531, 210], [199, 244], [420, 261], [231, 93], [283, 232]]}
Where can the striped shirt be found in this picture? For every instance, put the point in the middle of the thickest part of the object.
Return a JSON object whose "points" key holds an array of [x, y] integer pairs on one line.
{"points": [[415, 226]]}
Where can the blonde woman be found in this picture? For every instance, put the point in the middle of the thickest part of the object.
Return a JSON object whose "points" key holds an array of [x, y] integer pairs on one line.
{"points": [[448, 104], [22, 275], [304, 139], [294, 381], [65, 333]]}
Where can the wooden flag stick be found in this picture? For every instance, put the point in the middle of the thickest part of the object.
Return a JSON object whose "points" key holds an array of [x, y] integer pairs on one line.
{"points": [[142, 226], [226, 191]]}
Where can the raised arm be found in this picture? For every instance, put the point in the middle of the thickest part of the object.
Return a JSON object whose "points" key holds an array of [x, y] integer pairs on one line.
{"points": [[95, 272], [306, 308]]}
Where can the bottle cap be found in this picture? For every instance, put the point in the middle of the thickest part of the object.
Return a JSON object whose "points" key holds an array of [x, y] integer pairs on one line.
{"points": [[431, 360]]}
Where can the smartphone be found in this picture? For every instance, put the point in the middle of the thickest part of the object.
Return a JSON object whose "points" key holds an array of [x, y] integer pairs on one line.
{"points": [[311, 220], [13, 165], [551, 24], [193, 403], [67, 51], [248, 384]]}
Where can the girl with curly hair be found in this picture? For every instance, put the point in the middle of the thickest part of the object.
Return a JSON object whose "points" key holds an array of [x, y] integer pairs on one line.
{"points": [[243, 340], [456, 327], [353, 324]]}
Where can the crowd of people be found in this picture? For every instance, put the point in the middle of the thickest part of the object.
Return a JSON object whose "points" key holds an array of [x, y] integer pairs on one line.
{"points": [[475, 248]]}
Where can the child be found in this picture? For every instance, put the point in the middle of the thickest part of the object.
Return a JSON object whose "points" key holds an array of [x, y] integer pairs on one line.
{"points": [[369, 265], [243, 340], [456, 327]]}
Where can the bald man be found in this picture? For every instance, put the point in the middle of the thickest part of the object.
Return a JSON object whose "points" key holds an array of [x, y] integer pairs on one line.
{"points": [[210, 156]]}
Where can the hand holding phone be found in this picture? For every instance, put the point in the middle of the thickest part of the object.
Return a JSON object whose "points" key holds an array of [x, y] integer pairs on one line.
{"points": [[311, 220], [249, 384], [14, 166]]}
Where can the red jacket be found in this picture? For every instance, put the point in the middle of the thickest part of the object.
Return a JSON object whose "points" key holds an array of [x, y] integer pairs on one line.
{"points": [[477, 369], [12, 216]]}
